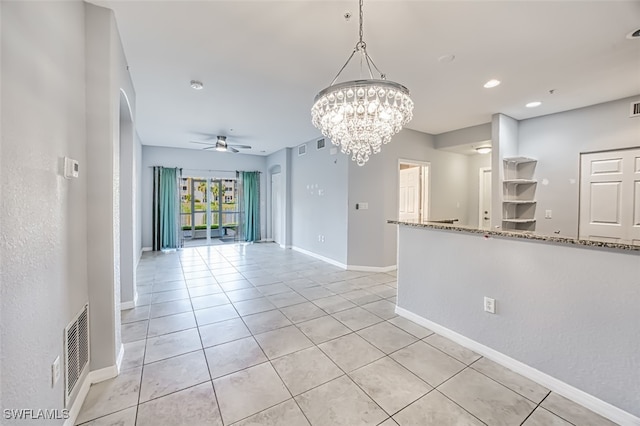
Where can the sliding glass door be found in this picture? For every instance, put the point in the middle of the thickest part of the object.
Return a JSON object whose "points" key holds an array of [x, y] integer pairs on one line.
{"points": [[209, 208]]}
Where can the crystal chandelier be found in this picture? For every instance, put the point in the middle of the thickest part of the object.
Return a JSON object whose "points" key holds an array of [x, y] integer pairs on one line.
{"points": [[362, 115]]}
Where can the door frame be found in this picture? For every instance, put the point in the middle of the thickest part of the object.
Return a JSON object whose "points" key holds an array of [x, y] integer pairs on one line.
{"points": [[425, 188], [480, 196]]}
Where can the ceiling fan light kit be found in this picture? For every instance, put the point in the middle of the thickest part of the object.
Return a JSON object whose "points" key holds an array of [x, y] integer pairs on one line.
{"points": [[362, 115], [221, 145]]}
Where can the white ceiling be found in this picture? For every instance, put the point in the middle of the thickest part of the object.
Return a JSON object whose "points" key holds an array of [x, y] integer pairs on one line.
{"points": [[262, 62]]}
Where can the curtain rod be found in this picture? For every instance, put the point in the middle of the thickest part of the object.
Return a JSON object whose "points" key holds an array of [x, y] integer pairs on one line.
{"points": [[207, 170]]}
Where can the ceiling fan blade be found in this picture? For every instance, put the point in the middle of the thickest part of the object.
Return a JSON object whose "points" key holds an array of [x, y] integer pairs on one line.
{"points": [[229, 148], [241, 146], [209, 147], [202, 143]]}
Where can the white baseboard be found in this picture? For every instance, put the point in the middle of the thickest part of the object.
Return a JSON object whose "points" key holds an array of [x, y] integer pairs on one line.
{"points": [[127, 305], [320, 257], [372, 268], [92, 377], [576, 395], [147, 248], [342, 265], [120, 358]]}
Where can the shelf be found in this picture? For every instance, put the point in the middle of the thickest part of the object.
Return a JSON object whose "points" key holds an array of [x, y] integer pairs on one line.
{"points": [[520, 181], [519, 160], [518, 194]]}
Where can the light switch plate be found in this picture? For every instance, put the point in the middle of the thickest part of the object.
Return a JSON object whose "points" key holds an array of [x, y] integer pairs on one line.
{"points": [[490, 305]]}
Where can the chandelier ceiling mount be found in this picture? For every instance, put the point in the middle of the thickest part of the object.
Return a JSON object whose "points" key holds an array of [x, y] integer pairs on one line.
{"points": [[362, 115]]}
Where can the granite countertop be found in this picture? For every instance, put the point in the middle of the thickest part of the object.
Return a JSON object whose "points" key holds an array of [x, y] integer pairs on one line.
{"points": [[521, 235]]}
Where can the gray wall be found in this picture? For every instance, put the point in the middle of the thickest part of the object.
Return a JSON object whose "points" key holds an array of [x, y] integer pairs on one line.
{"points": [[43, 216], [128, 255], [137, 204], [196, 163], [372, 242], [465, 136], [107, 79], [319, 186], [279, 162], [504, 144], [557, 140], [567, 311], [475, 163]]}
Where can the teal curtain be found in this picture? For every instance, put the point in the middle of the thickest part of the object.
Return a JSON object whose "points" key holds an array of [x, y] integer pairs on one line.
{"points": [[251, 201], [166, 208]]}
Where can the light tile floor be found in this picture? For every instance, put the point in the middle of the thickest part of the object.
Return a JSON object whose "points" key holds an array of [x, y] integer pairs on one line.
{"points": [[257, 335]]}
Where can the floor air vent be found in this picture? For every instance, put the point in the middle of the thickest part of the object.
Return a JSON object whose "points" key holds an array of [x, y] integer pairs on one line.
{"points": [[76, 344], [635, 109]]}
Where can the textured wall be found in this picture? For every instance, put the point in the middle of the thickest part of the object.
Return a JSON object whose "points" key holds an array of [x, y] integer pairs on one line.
{"points": [[319, 183], [43, 216], [566, 311], [557, 140], [372, 242], [475, 163], [279, 162]]}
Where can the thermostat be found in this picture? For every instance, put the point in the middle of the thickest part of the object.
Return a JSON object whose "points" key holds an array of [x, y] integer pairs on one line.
{"points": [[71, 168]]}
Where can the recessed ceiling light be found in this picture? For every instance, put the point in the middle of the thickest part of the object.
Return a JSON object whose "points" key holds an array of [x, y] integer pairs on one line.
{"points": [[492, 83], [634, 35], [533, 104], [446, 58], [483, 149], [197, 85]]}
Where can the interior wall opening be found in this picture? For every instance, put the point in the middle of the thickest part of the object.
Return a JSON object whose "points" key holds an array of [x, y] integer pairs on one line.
{"points": [[413, 191]]}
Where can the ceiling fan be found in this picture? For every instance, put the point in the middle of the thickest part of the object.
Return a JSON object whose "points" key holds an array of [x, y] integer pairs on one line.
{"points": [[222, 145]]}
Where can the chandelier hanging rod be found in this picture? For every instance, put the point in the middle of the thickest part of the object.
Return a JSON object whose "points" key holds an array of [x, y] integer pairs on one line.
{"points": [[361, 46], [361, 115]]}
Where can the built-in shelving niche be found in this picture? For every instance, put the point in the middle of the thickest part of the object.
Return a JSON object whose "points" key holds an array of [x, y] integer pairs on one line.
{"points": [[518, 194]]}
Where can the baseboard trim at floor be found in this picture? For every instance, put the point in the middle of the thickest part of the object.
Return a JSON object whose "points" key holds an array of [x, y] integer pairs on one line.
{"points": [[319, 257], [372, 268], [127, 305], [576, 395], [120, 358], [91, 378]]}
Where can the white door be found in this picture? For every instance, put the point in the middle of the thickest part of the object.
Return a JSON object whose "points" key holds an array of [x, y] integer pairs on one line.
{"points": [[484, 218], [409, 206], [610, 196], [276, 208]]}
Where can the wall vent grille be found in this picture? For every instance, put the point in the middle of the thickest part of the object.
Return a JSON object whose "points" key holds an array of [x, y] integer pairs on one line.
{"points": [[302, 149], [320, 143], [76, 343], [635, 109]]}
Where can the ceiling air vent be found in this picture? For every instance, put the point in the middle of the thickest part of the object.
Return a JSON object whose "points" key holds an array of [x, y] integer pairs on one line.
{"points": [[320, 144], [302, 149], [635, 109]]}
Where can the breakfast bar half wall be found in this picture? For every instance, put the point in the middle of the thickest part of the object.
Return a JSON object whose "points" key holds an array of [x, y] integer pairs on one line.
{"points": [[567, 311]]}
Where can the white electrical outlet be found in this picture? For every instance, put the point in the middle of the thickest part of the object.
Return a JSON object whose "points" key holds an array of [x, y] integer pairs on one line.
{"points": [[490, 305], [55, 371], [547, 214]]}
